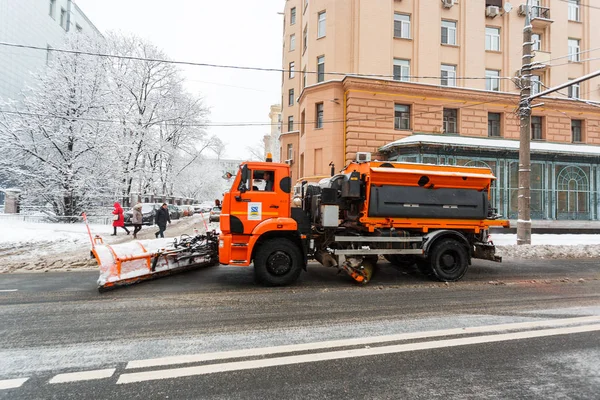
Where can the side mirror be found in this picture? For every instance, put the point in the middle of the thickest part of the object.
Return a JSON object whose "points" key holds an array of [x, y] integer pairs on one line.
{"points": [[243, 188]]}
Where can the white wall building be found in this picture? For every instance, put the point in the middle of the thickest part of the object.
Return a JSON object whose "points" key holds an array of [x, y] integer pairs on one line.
{"points": [[42, 23]]}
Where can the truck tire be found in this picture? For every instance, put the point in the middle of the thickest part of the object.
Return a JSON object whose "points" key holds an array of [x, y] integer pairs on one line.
{"points": [[449, 260], [277, 262]]}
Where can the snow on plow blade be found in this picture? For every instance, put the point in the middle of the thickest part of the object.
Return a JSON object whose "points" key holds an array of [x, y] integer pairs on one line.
{"points": [[128, 263]]}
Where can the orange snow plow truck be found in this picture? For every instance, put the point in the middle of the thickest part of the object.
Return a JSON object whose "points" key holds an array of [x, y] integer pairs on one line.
{"points": [[437, 217]]}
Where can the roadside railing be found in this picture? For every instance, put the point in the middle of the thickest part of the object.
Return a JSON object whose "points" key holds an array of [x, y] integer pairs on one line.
{"points": [[44, 218]]}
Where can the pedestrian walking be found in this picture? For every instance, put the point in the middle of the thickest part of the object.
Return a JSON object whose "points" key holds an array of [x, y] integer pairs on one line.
{"points": [[137, 219], [162, 217], [118, 219]]}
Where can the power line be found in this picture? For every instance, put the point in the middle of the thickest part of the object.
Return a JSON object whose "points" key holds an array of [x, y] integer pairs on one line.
{"points": [[238, 67], [581, 5], [571, 54]]}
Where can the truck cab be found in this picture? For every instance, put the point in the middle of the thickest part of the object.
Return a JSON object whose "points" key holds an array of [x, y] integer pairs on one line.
{"points": [[256, 224]]}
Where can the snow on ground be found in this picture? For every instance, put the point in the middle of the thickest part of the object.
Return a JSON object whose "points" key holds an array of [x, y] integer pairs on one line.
{"points": [[545, 246], [29, 246]]}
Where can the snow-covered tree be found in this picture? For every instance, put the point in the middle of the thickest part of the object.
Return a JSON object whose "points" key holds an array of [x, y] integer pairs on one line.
{"points": [[55, 141], [160, 121]]}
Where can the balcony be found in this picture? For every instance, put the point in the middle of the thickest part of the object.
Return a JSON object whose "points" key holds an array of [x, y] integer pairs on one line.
{"points": [[540, 16], [542, 57]]}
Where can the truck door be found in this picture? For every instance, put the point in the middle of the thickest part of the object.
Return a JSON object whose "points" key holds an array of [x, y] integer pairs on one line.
{"points": [[262, 199]]}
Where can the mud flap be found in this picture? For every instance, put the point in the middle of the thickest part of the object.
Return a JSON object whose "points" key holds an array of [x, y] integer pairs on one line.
{"points": [[486, 251]]}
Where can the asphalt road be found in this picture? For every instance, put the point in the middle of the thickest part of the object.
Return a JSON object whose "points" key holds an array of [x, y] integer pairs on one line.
{"points": [[520, 329]]}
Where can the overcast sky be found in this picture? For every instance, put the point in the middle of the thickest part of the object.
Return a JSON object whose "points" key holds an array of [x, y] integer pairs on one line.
{"points": [[233, 32]]}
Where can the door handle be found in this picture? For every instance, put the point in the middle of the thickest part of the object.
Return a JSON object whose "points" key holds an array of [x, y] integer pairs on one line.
{"points": [[274, 207]]}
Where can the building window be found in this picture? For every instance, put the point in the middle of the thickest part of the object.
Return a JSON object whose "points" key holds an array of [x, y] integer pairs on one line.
{"points": [[293, 16], [574, 50], [291, 97], [574, 91], [492, 80], [291, 70], [448, 32], [321, 24], [302, 122], [536, 38], [401, 26], [492, 38], [319, 115], [63, 18], [448, 74], [290, 152], [494, 124], [401, 117], [304, 39], [574, 10], [290, 123], [303, 77], [536, 84], [450, 118], [536, 128], [52, 8], [48, 54], [320, 68], [292, 42], [401, 70], [576, 131]]}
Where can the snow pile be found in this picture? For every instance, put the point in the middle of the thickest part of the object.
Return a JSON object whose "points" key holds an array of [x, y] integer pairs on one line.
{"points": [[28, 246], [548, 246]]}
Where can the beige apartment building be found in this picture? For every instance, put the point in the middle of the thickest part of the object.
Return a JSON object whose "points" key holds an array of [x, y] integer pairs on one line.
{"points": [[375, 75]]}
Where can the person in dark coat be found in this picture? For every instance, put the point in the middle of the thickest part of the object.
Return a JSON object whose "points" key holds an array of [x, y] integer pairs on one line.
{"points": [[118, 219], [161, 219]]}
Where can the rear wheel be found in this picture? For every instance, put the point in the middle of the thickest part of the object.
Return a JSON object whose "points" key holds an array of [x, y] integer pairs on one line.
{"points": [[449, 260], [278, 262]]}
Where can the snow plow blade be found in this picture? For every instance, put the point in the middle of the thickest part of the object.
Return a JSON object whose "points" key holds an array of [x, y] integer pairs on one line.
{"points": [[140, 260]]}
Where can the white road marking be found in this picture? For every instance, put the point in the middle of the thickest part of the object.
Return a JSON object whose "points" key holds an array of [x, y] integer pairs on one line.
{"points": [[9, 290], [12, 383], [336, 355], [83, 376], [185, 359]]}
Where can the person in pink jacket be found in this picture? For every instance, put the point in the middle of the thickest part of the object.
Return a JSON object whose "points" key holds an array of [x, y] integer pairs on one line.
{"points": [[118, 219]]}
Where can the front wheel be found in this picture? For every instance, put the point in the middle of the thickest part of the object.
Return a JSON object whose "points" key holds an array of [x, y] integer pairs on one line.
{"points": [[449, 260], [278, 262]]}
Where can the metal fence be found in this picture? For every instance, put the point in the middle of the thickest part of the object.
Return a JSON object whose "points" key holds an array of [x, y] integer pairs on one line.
{"points": [[37, 218]]}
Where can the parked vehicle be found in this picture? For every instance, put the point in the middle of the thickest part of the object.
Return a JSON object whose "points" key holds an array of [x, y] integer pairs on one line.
{"points": [[215, 214], [174, 212], [186, 210], [148, 213]]}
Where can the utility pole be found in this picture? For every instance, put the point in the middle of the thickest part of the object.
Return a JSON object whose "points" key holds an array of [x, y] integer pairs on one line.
{"points": [[524, 201]]}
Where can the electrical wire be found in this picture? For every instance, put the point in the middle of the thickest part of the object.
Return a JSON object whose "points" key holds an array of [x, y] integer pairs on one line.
{"points": [[238, 67], [582, 5]]}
